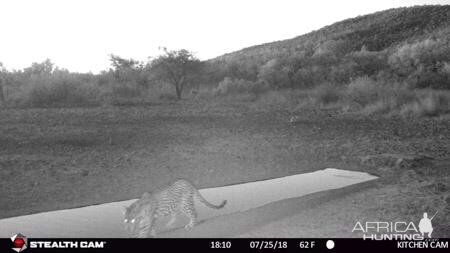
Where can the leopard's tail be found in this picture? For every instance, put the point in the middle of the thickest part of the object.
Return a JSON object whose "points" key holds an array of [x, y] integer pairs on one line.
{"points": [[204, 201]]}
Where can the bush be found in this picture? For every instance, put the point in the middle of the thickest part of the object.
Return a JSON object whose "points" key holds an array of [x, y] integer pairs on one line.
{"points": [[325, 94], [363, 91], [205, 93], [428, 103], [423, 63], [273, 100], [366, 96], [274, 74], [399, 100], [59, 93], [236, 86], [126, 90]]}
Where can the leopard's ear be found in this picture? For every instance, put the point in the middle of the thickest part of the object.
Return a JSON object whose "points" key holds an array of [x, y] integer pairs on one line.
{"points": [[124, 210]]}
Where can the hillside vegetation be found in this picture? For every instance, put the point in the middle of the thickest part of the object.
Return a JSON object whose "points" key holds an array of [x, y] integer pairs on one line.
{"points": [[392, 61], [405, 44]]}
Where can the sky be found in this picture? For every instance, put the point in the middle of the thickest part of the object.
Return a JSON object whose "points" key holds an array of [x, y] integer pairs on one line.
{"points": [[79, 35]]}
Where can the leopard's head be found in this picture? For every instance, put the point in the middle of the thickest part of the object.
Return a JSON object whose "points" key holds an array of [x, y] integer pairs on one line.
{"points": [[134, 215]]}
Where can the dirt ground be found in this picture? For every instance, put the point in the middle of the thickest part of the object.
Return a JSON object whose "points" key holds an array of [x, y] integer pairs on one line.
{"points": [[60, 158]]}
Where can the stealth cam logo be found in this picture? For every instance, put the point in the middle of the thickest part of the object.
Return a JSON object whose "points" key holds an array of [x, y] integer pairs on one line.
{"points": [[19, 242]]}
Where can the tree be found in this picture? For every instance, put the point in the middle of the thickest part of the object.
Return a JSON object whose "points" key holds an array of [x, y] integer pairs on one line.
{"points": [[176, 67], [128, 70], [44, 68]]}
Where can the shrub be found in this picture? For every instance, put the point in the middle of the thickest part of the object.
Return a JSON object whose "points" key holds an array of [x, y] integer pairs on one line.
{"points": [[274, 74], [408, 102], [383, 106], [363, 91], [126, 90], [367, 96], [428, 103], [205, 93], [273, 100], [235, 86], [59, 93], [422, 63], [325, 94]]}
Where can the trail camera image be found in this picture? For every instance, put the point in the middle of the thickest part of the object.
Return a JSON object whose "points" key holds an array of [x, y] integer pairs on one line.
{"points": [[224, 119]]}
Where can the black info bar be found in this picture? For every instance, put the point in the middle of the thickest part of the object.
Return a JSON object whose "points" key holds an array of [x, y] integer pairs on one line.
{"points": [[219, 245]]}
